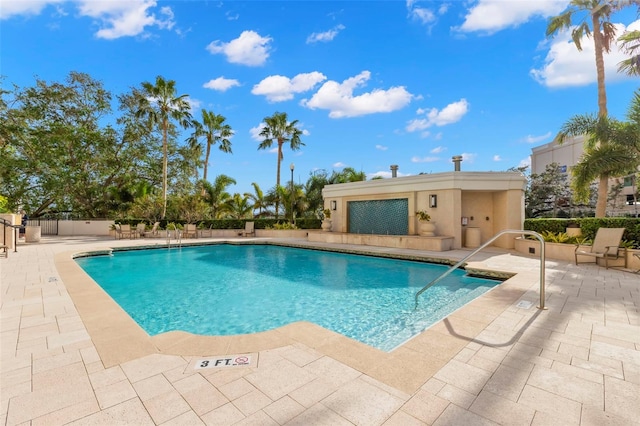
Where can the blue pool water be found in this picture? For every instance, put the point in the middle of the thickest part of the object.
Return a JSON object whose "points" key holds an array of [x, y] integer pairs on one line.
{"points": [[236, 289]]}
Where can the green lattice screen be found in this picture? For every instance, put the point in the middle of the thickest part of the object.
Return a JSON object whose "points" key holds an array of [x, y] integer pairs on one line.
{"points": [[386, 217]]}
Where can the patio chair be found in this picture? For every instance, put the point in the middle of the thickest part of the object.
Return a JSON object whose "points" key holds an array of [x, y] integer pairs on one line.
{"points": [[249, 229], [190, 231], [140, 229], [154, 231], [606, 245], [207, 232], [123, 230]]}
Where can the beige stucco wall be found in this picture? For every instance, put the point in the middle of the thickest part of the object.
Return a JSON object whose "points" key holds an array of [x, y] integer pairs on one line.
{"points": [[84, 227], [492, 201]]}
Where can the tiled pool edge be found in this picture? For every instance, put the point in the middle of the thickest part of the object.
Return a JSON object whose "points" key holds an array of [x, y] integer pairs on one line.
{"points": [[119, 339]]}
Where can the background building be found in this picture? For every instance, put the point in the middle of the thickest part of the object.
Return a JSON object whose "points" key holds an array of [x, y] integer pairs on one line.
{"points": [[622, 199]]}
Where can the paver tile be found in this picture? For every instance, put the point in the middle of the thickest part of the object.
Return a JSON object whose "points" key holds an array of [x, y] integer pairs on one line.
{"points": [[225, 415], [501, 410], [130, 412], [166, 406], [622, 398], [425, 406], [319, 415], [115, 393], [557, 407], [454, 415], [283, 410], [362, 403]]}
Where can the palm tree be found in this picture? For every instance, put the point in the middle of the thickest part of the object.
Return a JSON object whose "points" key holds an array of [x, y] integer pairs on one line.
{"points": [[258, 198], [239, 207], [194, 150], [603, 30], [278, 128], [612, 148], [214, 129], [216, 193], [160, 104], [630, 44]]}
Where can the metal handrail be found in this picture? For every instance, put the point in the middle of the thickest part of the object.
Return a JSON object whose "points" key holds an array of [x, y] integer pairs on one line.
{"points": [[6, 223], [495, 237]]}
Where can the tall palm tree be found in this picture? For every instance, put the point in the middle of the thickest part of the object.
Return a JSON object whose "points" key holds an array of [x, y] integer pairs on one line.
{"points": [[258, 198], [630, 43], [194, 151], [594, 19], [214, 129], [278, 128], [160, 104], [612, 149]]}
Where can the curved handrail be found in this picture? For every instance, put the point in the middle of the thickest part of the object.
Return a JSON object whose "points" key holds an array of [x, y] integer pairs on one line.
{"points": [[495, 237]]}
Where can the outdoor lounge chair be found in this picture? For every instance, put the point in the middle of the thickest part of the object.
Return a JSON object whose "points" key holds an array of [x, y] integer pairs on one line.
{"points": [[190, 231], [249, 229], [606, 245], [207, 232], [123, 230], [154, 231]]}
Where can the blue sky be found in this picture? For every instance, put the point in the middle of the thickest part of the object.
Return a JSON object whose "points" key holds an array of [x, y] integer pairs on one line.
{"points": [[372, 84]]}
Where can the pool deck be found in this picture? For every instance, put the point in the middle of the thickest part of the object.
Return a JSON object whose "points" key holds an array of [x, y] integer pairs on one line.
{"points": [[71, 356]]}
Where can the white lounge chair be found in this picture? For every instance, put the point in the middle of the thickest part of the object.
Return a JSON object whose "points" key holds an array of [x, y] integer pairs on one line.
{"points": [[606, 245]]}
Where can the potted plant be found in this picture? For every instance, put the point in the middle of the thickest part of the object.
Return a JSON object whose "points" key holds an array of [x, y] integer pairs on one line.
{"points": [[426, 227], [326, 222]]}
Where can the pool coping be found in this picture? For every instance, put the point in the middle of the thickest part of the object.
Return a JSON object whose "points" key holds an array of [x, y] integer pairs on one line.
{"points": [[118, 338]]}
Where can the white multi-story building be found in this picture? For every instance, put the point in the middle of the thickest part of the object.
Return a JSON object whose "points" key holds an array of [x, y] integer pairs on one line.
{"points": [[567, 154]]}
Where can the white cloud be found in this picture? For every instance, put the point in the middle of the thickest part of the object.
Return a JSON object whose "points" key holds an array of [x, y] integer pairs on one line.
{"points": [[468, 157], [382, 147], [194, 104], [495, 15], [248, 49], [125, 18], [221, 84], [9, 8], [423, 14], [497, 158], [536, 139], [438, 150], [339, 99], [417, 159], [325, 36], [278, 88], [450, 114], [566, 66], [255, 132], [385, 175], [338, 165], [525, 162]]}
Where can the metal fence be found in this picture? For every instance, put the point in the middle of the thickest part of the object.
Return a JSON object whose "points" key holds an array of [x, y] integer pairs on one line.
{"points": [[47, 226]]}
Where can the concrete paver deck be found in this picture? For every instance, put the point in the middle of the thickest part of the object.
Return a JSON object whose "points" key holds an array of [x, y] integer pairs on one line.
{"points": [[69, 356]]}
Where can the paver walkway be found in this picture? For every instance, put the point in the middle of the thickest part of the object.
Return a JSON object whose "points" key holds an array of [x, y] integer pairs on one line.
{"points": [[496, 361]]}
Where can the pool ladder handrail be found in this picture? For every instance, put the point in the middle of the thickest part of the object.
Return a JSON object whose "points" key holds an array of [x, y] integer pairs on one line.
{"points": [[495, 237], [178, 237]]}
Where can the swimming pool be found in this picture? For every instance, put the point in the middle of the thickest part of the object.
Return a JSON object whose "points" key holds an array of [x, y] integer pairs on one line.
{"points": [[236, 289]]}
